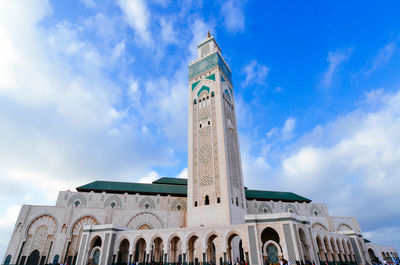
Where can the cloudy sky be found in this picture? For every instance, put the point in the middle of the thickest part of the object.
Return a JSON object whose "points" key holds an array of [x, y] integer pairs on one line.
{"points": [[97, 90]]}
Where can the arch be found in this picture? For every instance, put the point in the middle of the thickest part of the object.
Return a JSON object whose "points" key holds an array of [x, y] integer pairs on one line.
{"points": [[94, 257], [203, 88], [175, 248], [290, 207], [56, 259], [319, 226], [314, 209], [340, 250], [77, 197], [372, 255], [157, 246], [80, 222], [269, 233], [328, 249], [33, 258], [344, 227], [193, 247], [271, 252], [113, 198], [123, 252], [139, 249], [234, 246], [304, 245], [210, 247], [147, 201], [321, 248], [178, 202], [43, 219], [147, 218], [96, 242], [334, 249], [7, 260], [76, 232], [264, 208]]}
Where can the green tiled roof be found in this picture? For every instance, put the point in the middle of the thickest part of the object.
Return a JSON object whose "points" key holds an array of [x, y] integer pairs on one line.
{"points": [[178, 187], [132, 188], [171, 181], [265, 195]]}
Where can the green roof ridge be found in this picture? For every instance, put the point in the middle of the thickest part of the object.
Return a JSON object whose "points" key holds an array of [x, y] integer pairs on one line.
{"points": [[178, 187]]}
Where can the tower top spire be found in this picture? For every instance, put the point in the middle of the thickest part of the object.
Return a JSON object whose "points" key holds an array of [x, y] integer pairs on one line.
{"points": [[208, 34]]}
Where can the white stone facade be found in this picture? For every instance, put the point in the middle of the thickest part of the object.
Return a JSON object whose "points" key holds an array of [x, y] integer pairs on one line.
{"points": [[214, 221]]}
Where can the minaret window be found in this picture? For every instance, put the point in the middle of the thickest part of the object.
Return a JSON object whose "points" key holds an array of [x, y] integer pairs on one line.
{"points": [[195, 204], [237, 201], [209, 123], [218, 200], [200, 125], [207, 200]]}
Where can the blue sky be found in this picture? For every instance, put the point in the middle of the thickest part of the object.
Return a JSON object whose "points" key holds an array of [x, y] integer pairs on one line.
{"points": [[98, 90]]}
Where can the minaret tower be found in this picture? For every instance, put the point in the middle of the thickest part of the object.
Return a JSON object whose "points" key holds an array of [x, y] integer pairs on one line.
{"points": [[215, 182]]}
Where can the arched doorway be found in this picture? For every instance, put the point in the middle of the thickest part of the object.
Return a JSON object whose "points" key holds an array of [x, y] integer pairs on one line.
{"points": [[96, 256], [76, 234], [328, 252], [194, 250], [334, 250], [304, 246], [8, 260], [175, 250], [94, 253], [123, 253], [372, 255], [270, 245], [321, 250], [211, 250], [140, 251], [234, 250], [157, 250], [55, 259], [33, 258], [272, 254]]}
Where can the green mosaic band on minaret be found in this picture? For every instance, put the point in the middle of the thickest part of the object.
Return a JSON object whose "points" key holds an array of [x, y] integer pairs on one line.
{"points": [[209, 63]]}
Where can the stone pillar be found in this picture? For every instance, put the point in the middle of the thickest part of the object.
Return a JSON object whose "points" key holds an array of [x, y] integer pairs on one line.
{"points": [[106, 248]]}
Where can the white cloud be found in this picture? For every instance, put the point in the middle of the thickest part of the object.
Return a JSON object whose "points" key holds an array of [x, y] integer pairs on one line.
{"points": [[255, 73], [118, 50], [285, 133], [137, 16], [383, 56], [64, 124], [89, 3], [168, 32], [199, 32], [335, 59], [152, 176], [288, 128], [353, 164], [233, 13], [183, 174]]}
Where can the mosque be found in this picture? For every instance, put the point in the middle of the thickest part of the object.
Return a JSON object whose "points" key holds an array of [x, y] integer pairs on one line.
{"points": [[209, 218]]}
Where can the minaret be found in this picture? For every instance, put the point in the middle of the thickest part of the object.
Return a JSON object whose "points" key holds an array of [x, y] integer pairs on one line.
{"points": [[215, 181]]}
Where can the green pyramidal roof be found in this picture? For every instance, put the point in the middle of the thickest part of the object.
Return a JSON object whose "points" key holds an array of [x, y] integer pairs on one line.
{"points": [[178, 187]]}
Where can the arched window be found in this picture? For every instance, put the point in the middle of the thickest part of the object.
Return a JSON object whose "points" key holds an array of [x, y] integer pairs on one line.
{"points": [[195, 204], [8, 260], [207, 200], [237, 201], [218, 200]]}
